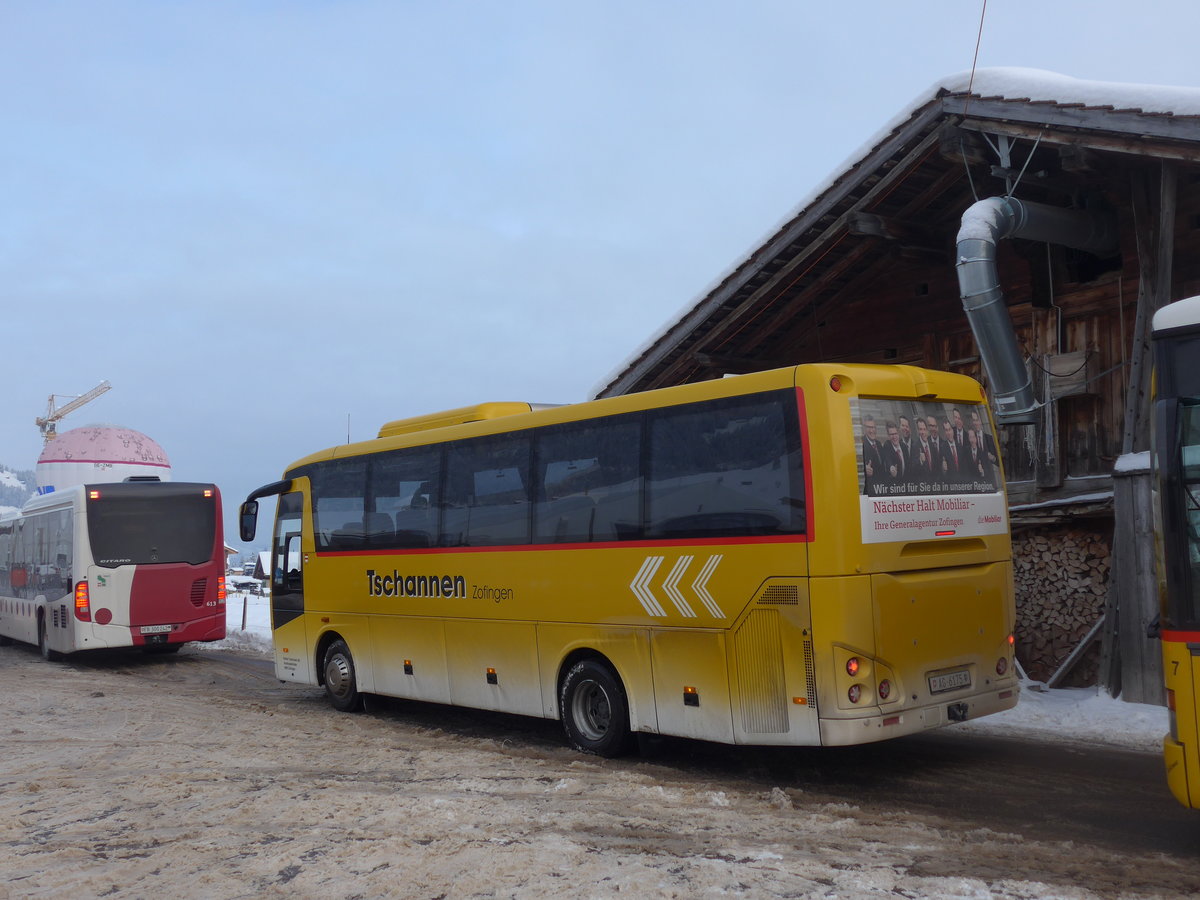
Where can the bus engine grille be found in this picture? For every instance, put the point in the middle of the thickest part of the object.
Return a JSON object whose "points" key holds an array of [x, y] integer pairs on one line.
{"points": [[199, 589], [760, 674]]}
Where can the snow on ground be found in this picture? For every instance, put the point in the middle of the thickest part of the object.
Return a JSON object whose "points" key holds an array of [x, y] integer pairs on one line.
{"points": [[217, 783], [1069, 715]]}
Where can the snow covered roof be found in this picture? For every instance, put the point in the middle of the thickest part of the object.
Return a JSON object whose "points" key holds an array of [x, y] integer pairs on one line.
{"points": [[1137, 119]]}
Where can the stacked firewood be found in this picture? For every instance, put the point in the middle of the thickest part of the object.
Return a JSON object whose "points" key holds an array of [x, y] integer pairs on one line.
{"points": [[1061, 580]]}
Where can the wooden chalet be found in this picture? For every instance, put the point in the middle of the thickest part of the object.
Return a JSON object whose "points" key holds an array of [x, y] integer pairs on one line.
{"points": [[865, 272]]}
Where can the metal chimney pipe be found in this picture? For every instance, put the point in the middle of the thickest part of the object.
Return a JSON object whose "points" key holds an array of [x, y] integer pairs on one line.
{"points": [[983, 225]]}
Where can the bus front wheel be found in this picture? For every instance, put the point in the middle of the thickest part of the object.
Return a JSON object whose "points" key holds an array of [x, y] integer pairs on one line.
{"points": [[341, 682], [595, 713]]}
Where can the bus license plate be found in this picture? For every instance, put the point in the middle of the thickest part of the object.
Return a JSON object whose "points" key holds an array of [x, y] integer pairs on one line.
{"points": [[950, 681], [156, 629]]}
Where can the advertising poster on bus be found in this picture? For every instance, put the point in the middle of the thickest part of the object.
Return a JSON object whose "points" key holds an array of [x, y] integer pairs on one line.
{"points": [[927, 470]]}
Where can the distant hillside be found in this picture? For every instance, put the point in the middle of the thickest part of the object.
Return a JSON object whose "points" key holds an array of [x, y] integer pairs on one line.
{"points": [[16, 487]]}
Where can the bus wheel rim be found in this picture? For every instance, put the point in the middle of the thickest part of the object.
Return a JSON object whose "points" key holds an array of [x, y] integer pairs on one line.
{"points": [[592, 710], [337, 676]]}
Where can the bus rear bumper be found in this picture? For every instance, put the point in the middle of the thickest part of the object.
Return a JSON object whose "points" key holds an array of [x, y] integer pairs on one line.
{"points": [[884, 725], [94, 637]]}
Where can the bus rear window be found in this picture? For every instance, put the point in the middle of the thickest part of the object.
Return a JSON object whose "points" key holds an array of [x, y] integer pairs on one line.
{"points": [[140, 530]]}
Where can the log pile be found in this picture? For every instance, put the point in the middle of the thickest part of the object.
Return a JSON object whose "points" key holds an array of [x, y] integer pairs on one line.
{"points": [[1061, 580]]}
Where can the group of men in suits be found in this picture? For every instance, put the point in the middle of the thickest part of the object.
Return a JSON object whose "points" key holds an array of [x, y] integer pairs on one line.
{"points": [[936, 454]]}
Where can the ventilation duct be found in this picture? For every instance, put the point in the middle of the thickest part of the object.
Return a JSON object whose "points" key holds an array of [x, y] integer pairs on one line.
{"points": [[983, 224]]}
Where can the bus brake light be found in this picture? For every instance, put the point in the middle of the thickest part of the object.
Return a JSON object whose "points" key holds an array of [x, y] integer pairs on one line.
{"points": [[220, 588], [93, 495], [83, 607], [945, 533]]}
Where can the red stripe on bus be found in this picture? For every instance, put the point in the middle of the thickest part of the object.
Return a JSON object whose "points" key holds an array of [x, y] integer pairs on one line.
{"points": [[597, 545], [806, 453], [1181, 637]]}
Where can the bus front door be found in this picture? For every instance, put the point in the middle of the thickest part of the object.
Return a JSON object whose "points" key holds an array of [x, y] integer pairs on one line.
{"points": [[287, 592]]}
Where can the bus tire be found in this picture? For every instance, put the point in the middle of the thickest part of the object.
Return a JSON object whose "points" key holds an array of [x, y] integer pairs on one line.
{"points": [[595, 713], [341, 684], [44, 642]]}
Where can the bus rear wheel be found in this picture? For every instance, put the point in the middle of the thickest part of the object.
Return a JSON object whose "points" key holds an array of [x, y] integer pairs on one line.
{"points": [[44, 642], [595, 713], [341, 681]]}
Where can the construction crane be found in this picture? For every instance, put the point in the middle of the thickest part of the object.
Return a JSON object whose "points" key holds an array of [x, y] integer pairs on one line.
{"points": [[49, 422]]}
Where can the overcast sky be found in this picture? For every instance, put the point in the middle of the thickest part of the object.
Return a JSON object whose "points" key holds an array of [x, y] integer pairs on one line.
{"points": [[257, 218]]}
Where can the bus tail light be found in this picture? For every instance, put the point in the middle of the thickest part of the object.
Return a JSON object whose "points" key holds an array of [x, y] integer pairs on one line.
{"points": [[855, 693], [852, 666], [83, 606], [1001, 665], [885, 689], [220, 588]]}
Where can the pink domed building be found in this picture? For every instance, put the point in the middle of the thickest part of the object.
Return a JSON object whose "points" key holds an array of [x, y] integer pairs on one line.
{"points": [[98, 454]]}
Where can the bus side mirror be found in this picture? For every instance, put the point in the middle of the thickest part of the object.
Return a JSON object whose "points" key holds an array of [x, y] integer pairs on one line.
{"points": [[248, 519]]}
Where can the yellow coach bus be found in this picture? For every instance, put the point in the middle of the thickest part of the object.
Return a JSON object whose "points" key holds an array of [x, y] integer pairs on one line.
{"points": [[1176, 332], [812, 555]]}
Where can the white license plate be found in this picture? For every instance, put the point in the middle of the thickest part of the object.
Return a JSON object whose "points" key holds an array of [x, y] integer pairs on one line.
{"points": [[156, 629], [950, 681]]}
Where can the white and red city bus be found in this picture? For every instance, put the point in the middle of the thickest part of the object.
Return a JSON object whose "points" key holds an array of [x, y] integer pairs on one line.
{"points": [[128, 564]]}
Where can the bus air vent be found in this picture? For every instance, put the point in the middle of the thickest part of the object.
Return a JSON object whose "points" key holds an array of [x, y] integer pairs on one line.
{"points": [[199, 588], [782, 594], [810, 675], [760, 673]]}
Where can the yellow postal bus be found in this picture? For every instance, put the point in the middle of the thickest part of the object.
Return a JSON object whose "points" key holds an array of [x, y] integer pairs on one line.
{"points": [[1177, 465], [812, 555]]}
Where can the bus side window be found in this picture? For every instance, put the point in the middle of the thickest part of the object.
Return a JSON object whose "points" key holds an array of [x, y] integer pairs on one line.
{"points": [[403, 485], [727, 467], [487, 492], [589, 483], [295, 574]]}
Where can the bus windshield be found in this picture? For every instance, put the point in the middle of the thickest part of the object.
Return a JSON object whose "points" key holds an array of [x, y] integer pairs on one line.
{"points": [[138, 527]]}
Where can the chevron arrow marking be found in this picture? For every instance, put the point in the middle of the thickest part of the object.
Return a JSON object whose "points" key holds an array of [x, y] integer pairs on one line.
{"points": [[641, 586], [672, 589]]}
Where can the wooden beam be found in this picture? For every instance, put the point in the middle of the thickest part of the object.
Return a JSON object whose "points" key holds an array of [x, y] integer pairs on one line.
{"points": [[1050, 115], [1136, 146]]}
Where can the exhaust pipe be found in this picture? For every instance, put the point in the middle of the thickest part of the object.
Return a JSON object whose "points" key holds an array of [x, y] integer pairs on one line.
{"points": [[983, 225]]}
